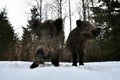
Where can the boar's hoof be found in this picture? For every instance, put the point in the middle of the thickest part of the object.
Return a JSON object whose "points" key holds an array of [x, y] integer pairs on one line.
{"points": [[34, 65], [74, 64]]}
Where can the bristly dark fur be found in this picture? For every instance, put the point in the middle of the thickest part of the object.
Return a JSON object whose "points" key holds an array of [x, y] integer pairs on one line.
{"points": [[50, 41], [35, 25], [96, 32], [78, 23], [77, 39], [59, 24]]}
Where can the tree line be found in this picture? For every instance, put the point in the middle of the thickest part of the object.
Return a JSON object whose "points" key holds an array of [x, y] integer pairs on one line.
{"points": [[105, 15]]}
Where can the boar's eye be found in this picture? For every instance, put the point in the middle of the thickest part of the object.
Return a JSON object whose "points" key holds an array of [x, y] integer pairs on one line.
{"points": [[85, 25], [50, 35], [96, 32]]}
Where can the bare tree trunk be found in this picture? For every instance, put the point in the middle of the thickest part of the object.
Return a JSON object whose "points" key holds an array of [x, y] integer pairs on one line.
{"points": [[58, 4], [92, 3], [88, 11], [37, 4], [39, 7], [92, 6], [58, 9], [70, 15], [84, 10], [40, 10], [61, 8]]}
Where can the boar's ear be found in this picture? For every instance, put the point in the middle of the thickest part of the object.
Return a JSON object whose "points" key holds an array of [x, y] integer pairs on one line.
{"points": [[58, 24], [35, 24], [96, 32], [78, 23]]}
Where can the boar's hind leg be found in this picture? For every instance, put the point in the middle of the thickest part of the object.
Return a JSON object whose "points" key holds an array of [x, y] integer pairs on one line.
{"points": [[55, 62], [81, 54], [74, 56]]}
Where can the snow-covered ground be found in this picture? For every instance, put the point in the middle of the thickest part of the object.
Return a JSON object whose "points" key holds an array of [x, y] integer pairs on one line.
{"points": [[90, 71]]}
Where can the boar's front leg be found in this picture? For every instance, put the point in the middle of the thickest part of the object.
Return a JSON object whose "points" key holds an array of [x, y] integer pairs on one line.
{"points": [[39, 59]]}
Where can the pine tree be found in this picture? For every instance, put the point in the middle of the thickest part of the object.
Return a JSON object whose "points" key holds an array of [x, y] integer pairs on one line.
{"points": [[32, 23], [7, 35], [29, 36], [26, 45], [107, 15]]}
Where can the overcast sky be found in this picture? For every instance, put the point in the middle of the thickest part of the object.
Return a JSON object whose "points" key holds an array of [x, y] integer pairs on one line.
{"points": [[16, 13], [18, 17]]}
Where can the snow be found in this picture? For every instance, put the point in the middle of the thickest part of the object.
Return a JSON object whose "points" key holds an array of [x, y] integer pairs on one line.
{"points": [[16, 70]]}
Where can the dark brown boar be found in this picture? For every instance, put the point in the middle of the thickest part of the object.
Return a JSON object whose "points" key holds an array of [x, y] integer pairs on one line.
{"points": [[50, 41], [78, 39]]}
